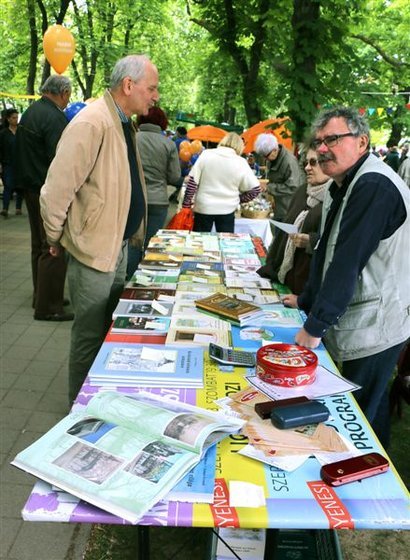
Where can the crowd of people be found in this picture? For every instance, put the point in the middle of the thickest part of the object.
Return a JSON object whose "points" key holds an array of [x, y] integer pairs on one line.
{"points": [[96, 190]]}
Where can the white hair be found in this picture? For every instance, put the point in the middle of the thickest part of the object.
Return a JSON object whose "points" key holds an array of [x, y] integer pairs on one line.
{"points": [[265, 144], [132, 65]]}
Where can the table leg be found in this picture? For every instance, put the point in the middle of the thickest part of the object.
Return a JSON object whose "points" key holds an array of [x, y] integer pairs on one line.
{"points": [[143, 552]]}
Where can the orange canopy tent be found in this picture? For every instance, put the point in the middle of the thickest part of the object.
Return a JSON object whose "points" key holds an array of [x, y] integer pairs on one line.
{"points": [[206, 133], [270, 126]]}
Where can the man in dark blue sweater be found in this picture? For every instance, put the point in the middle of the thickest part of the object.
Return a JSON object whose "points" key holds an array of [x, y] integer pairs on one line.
{"points": [[357, 297]]}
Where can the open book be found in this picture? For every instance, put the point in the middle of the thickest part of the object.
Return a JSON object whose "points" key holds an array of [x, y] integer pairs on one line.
{"points": [[124, 454]]}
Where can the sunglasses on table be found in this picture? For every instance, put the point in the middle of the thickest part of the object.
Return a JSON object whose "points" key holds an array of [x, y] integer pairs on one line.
{"points": [[331, 140]]}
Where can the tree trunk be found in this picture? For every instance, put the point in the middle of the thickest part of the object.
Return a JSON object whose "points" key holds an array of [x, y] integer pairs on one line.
{"points": [[32, 66], [304, 85]]}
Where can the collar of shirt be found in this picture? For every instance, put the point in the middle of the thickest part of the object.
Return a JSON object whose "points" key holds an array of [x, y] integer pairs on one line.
{"points": [[334, 189], [121, 114]]}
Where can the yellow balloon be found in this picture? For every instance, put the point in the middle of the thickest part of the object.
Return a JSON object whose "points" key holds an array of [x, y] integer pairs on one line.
{"points": [[59, 47], [185, 145]]}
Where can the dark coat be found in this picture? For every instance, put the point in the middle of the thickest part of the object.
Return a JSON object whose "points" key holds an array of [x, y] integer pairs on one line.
{"points": [[297, 276], [38, 134]]}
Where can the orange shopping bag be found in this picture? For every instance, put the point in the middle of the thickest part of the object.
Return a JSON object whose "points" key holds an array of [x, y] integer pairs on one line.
{"points": [[184, 219]]}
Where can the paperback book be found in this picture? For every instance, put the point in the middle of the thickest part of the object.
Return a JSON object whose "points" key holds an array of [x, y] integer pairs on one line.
{"points": [[141, 325], [147, 365], [144, 294], [124, 454], [142, 309], [199, 329]]}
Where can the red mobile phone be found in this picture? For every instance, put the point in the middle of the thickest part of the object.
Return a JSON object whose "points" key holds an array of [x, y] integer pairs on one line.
{"points": [[355, 468]]}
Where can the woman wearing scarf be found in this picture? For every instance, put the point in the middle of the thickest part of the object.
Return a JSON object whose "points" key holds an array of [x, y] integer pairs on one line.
{"points": [[288, 259]]}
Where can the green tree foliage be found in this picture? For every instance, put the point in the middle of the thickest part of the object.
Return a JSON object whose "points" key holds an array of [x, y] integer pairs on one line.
{"points": [[225, 60]]}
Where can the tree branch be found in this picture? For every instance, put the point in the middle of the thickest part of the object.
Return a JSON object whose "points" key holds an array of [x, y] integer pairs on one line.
{"points": [[389, 59]]}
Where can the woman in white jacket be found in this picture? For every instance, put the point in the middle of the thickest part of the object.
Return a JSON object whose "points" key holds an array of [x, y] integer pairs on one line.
{"points": [[220, 180]]}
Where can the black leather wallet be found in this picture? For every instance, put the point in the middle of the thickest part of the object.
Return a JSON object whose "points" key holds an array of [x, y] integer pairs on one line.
{"points": [[311, 412]]}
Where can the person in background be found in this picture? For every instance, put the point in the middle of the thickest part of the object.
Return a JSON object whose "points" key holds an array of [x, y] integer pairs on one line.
{"points": [[404, 152], [220, 180], [392, 158], [254, 165], [404, 171], [160, 163], [37, 136], [289, 256], [7, 161], [94, 201], [283, 172], [180, 136], [375, 152], [357, 297]]}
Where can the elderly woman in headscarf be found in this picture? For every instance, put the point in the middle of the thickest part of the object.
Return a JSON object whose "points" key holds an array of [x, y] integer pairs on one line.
{"points": [[288, 259]]}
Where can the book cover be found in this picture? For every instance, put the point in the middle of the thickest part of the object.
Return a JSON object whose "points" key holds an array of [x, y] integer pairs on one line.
{"points": [[200, 266], [198, 337], [227, 307], [147, 365], [141, 308], [141, 325], [144, 294], [114, 458]]}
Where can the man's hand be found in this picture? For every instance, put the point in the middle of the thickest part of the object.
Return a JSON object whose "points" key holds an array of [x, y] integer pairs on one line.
{"points": [[290, 300], [303, 338], [54, 251], [300, 240]]}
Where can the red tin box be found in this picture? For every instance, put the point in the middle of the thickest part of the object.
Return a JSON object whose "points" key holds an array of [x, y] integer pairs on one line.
{"points": [[287, 365]]}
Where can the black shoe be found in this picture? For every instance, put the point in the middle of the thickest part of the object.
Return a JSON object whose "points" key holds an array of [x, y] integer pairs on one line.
{"points": [[54, 317], [65, 302]]}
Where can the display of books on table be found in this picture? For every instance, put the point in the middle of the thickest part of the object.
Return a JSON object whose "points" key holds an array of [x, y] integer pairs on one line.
{"points": [[142, 309], [147, 365], [124, 454], [228, 308]]}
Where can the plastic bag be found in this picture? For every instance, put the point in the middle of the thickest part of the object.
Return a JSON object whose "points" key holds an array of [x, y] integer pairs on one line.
{"points": [[184, 219]]}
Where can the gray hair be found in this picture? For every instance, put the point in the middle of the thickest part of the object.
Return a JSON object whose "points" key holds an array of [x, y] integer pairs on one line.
{"points": [[56, 85], [234, 141], [132, 65], [356, 123], [265, 144]]}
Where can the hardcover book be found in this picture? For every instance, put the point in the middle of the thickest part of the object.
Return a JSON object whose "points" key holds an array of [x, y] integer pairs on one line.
{"points": [[124, 454], [147, 365], [228, 308]]}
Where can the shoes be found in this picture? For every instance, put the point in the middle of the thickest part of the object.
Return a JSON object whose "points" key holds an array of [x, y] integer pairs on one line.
{"points": [[4, 213], [19, 212], [65, 302], [54, 317]]}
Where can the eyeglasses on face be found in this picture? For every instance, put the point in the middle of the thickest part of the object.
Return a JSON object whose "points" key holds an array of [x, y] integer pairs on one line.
{"points": [[311, 161], [331, 140]]}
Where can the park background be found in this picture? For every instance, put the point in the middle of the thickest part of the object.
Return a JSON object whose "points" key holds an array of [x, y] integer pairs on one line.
{"points": [[227, 61]]}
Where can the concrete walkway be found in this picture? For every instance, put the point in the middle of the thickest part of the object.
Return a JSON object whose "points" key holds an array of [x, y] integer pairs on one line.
{"points": [[33, 396]]}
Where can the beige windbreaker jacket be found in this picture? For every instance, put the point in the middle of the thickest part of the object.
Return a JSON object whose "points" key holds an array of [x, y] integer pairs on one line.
{"points": [[86, 197]]}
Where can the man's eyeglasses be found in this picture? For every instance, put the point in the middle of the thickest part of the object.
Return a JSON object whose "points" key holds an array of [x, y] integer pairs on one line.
{"points": [[331, 140], [311, 161]]}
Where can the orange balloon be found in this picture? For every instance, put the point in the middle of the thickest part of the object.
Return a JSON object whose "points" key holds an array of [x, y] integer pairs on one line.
{"points": [[185, 155], [196, 147], [185, 145], [59, 47]]}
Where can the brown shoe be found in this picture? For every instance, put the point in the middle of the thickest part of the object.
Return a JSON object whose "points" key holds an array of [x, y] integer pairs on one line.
{"points": [[19, 212], [4, 213]]}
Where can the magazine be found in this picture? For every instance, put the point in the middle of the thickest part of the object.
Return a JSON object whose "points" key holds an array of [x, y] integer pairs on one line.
{"points": [[124, 454]]}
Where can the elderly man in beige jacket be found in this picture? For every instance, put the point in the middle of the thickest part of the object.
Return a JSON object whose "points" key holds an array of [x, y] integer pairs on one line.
{"points": [[94, 201]]}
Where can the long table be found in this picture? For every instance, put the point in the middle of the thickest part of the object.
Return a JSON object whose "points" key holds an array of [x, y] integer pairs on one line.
{"points": [[297, 500]]}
